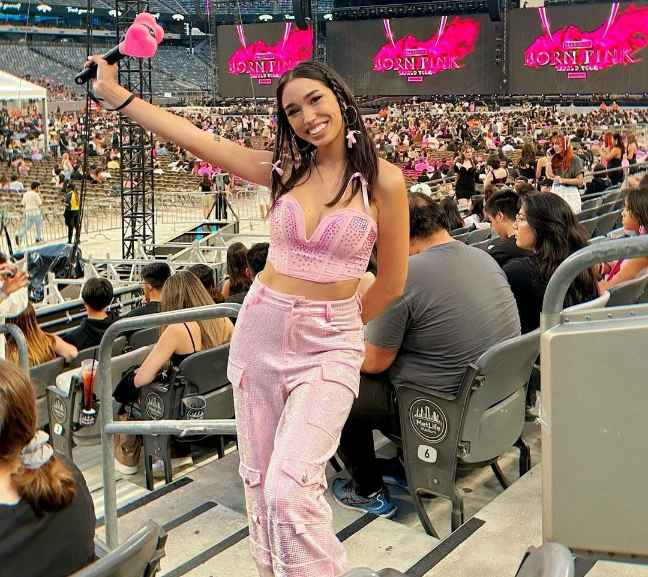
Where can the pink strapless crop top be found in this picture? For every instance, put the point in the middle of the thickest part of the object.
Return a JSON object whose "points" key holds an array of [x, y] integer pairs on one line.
{"points": [[339, 248]]}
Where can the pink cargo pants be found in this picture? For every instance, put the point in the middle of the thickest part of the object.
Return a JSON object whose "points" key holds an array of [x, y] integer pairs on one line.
{"points": [[294, 365]]}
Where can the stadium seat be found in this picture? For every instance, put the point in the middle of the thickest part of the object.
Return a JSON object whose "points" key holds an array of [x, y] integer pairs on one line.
{"points": [[548, 560], [144, 338], [479, 235], [484, 244], [605, 208], [472, 429], [119, 344], [591, 203], [139, 556], [64, 405], [628, 293], [587, 214], [607, 222], [590, 225], [462, 230], [42, 376], [202, 375]]}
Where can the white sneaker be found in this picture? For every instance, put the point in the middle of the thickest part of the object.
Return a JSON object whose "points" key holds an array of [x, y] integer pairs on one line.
{"points": [[126, 469], [158, 466]]}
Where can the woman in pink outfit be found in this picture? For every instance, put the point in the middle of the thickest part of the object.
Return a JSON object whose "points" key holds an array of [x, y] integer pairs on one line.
{"points": [[297, 349]]}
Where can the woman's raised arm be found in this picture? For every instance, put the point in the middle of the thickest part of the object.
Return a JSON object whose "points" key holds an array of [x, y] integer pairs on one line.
{"points": [[245, 163]]}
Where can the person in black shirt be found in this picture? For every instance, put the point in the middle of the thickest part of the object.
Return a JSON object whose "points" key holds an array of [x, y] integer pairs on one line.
{"points": [[154, 276], [97, 294], [466, 174], [501, 209], [547, 226], [47, 519]]}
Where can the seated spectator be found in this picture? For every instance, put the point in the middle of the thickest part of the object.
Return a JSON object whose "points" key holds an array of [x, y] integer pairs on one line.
{"points": [[13, 293], [476, 216], [47, 519], [452, 214], [208, 276], [547, 227], [501, 209], [97, 294], [635, 220], [428, 336], [41, 346], [495, 174], [183, 290], [238, 282], [256, 258], [600, 180], [154, 276], [15, 185]]}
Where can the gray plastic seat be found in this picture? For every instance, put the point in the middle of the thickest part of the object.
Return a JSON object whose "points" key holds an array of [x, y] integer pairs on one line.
{"points": [[484, 244], [139, 556], [441, 432], [203, 374], [41, 377], [461, 230], [607, 222], [590, 225], [479, 235], [587, 214], [548, 560], [591, 203], [144, 337], [629, 292], [118, 346]]}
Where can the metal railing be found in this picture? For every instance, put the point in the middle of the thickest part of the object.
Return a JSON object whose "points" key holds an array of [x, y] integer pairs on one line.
{"points": [[572, 266], [21, 344], [110, 428]]}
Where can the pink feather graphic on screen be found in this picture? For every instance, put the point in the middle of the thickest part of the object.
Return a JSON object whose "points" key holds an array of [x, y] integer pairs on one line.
{"points": [[416, 58], [578, 52], [264, 62]]}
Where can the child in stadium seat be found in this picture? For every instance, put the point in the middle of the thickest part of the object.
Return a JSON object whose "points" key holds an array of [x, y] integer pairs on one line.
{"points": [[296, 353], [97, 294], [47, 519], [177, 342]]}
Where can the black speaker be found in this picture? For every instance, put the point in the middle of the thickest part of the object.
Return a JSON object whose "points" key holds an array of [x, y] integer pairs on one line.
{"points": [[303, 13], [495, 10]]}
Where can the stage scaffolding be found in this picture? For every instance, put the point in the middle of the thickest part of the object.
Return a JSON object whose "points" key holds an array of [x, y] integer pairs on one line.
{"points": [[135, 144]]}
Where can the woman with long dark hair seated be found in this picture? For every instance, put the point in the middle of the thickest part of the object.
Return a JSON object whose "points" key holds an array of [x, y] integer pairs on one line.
{"points": [[47, 519], [546, 226]]}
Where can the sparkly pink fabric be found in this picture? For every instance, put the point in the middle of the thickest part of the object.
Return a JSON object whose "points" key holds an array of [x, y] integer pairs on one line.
{"points": [[294, 366], [339, 248]]}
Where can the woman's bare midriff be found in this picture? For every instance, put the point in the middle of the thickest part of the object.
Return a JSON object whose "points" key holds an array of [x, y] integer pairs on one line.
{"points": [[317, 291]]}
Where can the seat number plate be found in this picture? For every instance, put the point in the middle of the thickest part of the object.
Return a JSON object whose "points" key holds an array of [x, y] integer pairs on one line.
{"points": [[427, 454]]}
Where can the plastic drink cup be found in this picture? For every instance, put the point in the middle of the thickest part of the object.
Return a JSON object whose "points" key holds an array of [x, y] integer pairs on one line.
{"points": [[88, 372]]}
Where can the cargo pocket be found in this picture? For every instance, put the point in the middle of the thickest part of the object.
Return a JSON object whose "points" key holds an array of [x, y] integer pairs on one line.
{"points": [[300, 528], [335, 394], [257, 516]]}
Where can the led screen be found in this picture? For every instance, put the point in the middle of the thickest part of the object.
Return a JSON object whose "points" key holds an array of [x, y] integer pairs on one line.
{"points": [[595, 48], [444, 55], [253, 57]]}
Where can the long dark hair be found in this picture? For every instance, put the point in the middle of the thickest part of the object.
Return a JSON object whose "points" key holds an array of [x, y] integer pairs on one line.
{"points": [[637, 203], [558, 235], [453, 216], [298, 154], [237, 268]]}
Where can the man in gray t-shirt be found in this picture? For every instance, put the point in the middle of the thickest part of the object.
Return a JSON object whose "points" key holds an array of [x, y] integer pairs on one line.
{"points": [[457, 303]]}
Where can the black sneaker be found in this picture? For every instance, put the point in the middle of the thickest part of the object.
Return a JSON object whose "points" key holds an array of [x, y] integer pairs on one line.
{"points": [[378, 504]]}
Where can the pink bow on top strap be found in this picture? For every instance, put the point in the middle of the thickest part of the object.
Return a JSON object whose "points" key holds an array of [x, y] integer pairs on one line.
{"points": [[351, 139], [364, 184], [275, 167]]}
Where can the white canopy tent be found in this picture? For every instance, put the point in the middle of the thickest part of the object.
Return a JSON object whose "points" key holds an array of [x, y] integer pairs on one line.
{"points": [[13, 88]]}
